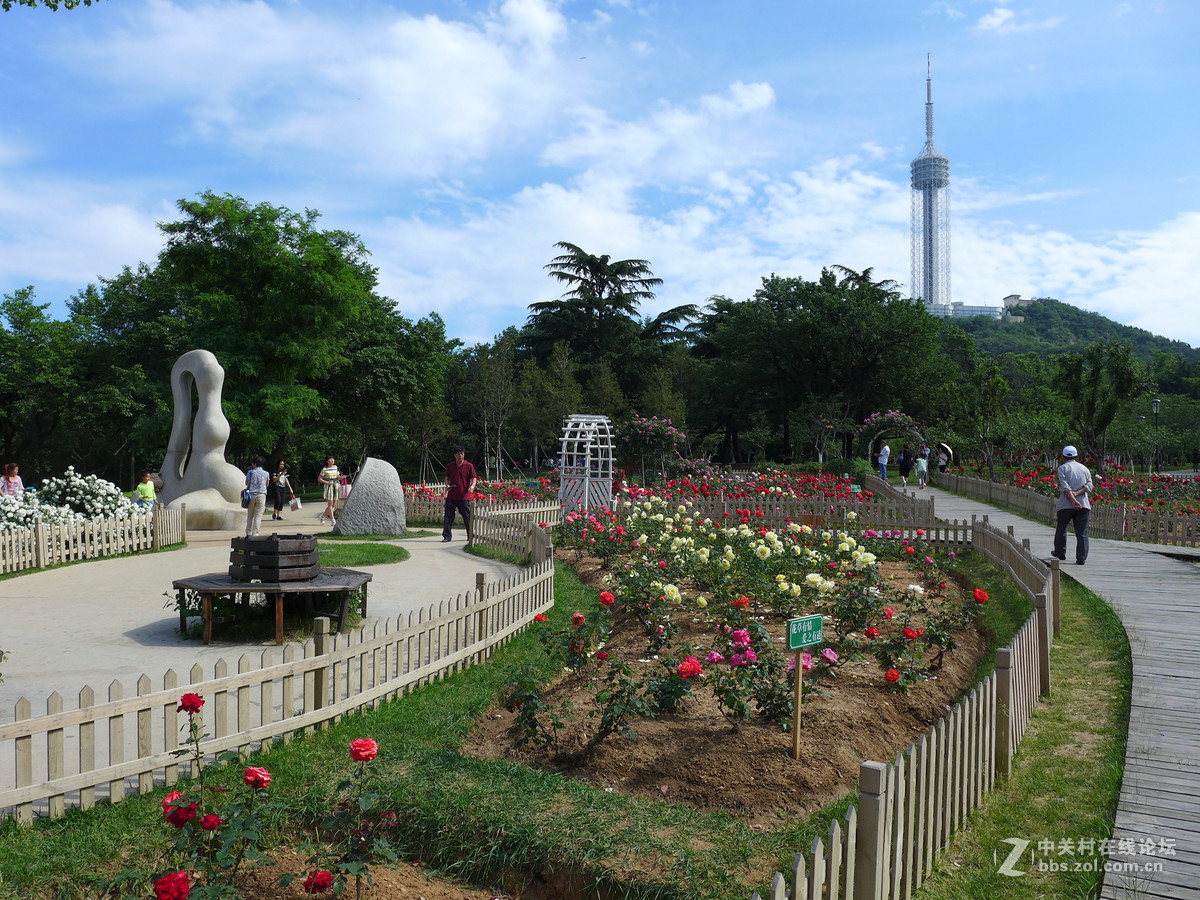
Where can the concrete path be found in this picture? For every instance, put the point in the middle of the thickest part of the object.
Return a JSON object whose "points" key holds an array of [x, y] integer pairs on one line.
{"points": [[1157, 596], [104, 620]]}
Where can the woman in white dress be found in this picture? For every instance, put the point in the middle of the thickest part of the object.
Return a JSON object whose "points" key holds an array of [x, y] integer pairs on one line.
{"points": [[330, 477]]}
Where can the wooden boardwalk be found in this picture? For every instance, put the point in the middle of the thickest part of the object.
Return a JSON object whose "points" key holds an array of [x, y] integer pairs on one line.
{"points": [[1157, 596]]}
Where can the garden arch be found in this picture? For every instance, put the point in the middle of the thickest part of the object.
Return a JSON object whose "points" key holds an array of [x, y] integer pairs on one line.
{"points": [[586, 463], [890, 422]]}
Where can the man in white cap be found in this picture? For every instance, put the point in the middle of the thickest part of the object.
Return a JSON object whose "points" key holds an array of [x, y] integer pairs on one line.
{"points": [[1074, 485]]}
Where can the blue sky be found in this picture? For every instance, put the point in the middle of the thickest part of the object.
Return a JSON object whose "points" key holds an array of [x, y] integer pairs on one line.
{"points": [[720, 141]]}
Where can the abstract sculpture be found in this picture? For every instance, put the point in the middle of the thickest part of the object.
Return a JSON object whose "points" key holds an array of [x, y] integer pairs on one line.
{"points": [[194, 471]]}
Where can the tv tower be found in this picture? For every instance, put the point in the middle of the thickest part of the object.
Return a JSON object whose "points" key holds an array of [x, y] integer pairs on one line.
{"points": [[931, 217]]}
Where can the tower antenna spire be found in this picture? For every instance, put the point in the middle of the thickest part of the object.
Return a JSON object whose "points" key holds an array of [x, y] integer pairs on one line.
{"points": [[928, 97]]}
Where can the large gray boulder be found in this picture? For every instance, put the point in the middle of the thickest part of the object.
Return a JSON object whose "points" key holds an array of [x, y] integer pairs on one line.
{"points": [[376, 502]]}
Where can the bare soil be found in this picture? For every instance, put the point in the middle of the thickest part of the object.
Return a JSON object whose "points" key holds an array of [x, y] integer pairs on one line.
{"points": [[697, 758]]}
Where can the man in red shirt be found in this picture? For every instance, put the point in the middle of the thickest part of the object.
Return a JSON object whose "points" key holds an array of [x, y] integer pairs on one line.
{"points": [[460, 485]]}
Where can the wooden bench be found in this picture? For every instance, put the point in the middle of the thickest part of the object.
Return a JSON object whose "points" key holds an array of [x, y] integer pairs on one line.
{"points": [[344, 582]]}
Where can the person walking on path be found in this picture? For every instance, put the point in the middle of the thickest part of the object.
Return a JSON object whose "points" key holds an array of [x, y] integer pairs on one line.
{"points": [[145, 491], [884, 452], [460, 486], [905, 461], [256, 484], [922, 467], [10, 483], [330, 478], [1074, 507], [280, 489]]}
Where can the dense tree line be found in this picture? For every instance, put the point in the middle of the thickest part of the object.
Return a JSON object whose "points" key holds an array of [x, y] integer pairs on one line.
{"points": [[318, 362], [315, 360]]}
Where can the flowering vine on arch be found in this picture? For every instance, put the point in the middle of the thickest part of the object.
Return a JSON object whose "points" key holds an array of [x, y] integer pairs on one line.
{"points": [[880, 423]]}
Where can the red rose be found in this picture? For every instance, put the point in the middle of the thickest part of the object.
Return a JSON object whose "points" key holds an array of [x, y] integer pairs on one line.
{"points": [[887, 612], [891, 676], [980, 595], [257, 777], [211, 822], [607, 599], [689, 668], [190, 703], [742, 601], [872, 632], [172, 886], [909, 550], [318, 882], [178, 814], [602, 655], [539, 618], [363, 750], [910, 634], [662, 564], [941, 585], [577, 619]]}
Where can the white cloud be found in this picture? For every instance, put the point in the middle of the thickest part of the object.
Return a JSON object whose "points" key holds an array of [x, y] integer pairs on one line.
{"points": [[674, 143], [397, 96], [67, 231], [1003, 21]]}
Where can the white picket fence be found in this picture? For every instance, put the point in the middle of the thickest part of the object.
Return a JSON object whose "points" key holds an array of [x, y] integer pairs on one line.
{"points": [[908, 809], [108, 746], [53, 543]]}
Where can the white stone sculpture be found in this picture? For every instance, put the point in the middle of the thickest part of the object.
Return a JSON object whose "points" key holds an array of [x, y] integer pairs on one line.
{"points": [[194, 471]]}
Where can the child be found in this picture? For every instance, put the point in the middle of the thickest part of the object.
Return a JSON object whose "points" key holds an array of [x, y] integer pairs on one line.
{"points": [[145, 491]]}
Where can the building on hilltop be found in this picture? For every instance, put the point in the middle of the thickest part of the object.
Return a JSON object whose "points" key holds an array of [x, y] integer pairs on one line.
{"points": [[931, 218]]}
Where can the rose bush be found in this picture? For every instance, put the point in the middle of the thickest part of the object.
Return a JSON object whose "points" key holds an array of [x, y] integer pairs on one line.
{"points": [[732, 581]]}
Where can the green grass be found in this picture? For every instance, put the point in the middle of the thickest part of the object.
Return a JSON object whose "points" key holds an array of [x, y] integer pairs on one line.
{"points": [[1066, 775], [412, 533], [498, 555], [361, 554], [494, 823]]}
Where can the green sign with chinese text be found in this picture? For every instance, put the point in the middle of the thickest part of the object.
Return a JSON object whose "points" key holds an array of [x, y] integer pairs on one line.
{"points": [[805, 631]]}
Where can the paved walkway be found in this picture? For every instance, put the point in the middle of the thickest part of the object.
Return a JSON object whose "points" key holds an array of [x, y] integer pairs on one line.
{"points": [[1157, 596], [95, 622]]}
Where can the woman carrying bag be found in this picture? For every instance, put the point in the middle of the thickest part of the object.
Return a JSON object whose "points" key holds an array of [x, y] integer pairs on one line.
{"points": [[280, 489]]}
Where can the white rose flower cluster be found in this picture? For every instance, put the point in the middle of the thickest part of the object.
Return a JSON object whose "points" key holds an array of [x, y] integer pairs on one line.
{"points": [[88, 495], [69, 498]]}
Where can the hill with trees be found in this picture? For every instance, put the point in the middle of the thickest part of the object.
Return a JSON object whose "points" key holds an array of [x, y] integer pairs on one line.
{"points": [[1052, 328]]}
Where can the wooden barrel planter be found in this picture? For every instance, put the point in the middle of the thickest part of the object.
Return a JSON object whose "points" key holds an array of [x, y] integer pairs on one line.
{"points": [[274, 558]]}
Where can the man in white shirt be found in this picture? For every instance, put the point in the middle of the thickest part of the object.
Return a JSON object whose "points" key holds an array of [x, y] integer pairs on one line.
{"points": [[884, 452], [1074, 507]]}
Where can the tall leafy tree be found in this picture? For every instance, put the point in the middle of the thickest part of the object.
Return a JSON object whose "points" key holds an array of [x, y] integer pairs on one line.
{"points": [[1097, 382]]}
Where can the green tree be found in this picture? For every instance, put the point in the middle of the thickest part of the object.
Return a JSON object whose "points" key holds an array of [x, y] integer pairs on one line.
{"points": [[6, 5], [1097, 382]]}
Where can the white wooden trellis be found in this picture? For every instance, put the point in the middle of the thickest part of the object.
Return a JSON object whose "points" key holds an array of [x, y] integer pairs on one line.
{"points": [[586, 463]]}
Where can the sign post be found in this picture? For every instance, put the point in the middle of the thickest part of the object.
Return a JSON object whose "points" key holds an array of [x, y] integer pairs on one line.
{"points": [[805, 631]]}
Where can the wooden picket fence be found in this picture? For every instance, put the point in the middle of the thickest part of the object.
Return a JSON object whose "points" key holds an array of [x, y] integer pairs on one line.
{"points": [[908, 809], [53, 543], [1115, 522], [255, 700], [518, 530]]}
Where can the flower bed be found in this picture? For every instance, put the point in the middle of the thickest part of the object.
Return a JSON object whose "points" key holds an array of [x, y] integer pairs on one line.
{"points": [[1162, 493], [69, 498], [689, 633]]}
